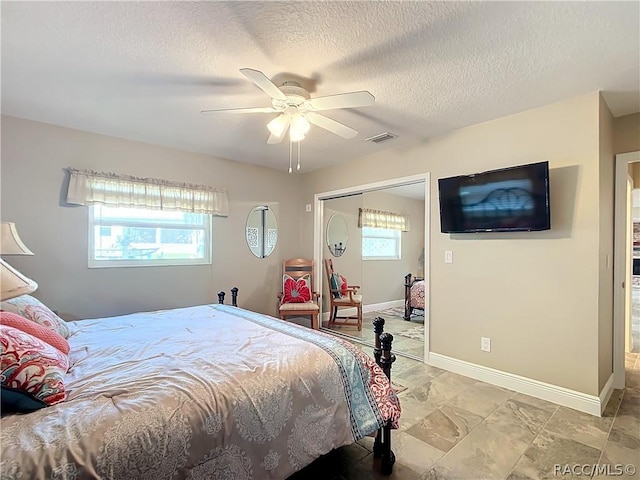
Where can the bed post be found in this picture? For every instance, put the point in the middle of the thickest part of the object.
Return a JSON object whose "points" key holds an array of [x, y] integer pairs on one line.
{"points": [[386, 360], [407, 297], [221, 297], [234, 296], [378, 327]]}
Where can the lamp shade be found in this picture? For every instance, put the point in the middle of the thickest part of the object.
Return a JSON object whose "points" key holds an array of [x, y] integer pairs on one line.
{"points": [[278, 125], [13, 283], [299, 127], [10, 242], [300, 124]]}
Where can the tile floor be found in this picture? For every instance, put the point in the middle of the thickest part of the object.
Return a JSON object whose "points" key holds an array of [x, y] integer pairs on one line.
{"points": [[394, 324], [454, 427]]}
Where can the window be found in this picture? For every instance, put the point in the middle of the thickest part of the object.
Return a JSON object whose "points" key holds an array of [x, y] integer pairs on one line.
{"points": [[126, 237], [381, 243]]}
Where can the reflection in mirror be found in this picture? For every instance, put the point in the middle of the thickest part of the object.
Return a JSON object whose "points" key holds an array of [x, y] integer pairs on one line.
{"points": [[384, 287], [261, 231], [337, 234]]}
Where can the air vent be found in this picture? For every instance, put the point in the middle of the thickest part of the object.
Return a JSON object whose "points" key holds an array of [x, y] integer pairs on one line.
{"points": [[382, 137]]}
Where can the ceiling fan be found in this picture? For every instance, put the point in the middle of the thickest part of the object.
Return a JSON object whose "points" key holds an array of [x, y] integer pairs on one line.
{"points": [[298, 110]]}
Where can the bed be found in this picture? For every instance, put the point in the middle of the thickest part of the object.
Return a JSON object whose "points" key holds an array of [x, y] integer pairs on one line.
{"points": [[211, 391], [413, 295]]}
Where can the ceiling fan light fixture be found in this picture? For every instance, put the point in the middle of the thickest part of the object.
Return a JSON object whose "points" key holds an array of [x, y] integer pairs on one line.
{"points": [[300, 124], [295, 135], [278, 125], [299, 127]]}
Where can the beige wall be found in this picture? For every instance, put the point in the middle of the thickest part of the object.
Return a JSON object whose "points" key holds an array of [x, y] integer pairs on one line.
{"points": [[626, 136], [33, 158], [534, 294], [605, 291]]}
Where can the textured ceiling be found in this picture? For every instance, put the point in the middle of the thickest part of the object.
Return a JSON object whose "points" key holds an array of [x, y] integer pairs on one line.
{"points": [[144, 70]]}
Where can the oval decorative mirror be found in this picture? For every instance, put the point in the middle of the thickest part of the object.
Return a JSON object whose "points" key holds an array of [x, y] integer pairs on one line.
{"points": [[337, 234], [261, 231]]}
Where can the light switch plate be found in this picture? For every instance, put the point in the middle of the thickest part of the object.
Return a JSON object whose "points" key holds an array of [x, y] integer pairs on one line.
{"points": [[307, 207], [448, 256]]}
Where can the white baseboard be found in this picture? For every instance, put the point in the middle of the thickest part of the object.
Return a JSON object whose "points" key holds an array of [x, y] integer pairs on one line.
{"points": [[382, 306], [367, 308], [605, 394], [583, 402]]}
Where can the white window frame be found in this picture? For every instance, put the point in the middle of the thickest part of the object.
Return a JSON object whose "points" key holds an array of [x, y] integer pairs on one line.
{"points": [[150, 262], [388, 233]]}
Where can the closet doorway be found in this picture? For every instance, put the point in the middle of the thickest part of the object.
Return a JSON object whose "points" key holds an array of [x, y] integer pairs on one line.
{"points": [[376, 257]]}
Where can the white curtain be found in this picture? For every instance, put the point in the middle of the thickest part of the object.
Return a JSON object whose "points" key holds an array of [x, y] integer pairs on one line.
{"points": [[381, 219], [88, 188]]}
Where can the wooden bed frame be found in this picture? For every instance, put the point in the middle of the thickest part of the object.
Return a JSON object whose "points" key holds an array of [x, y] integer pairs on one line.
{"points": [[384, 358], [409, 280]]}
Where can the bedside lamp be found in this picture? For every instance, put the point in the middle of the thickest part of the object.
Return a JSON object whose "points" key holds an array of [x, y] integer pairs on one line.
{"points": [[12, 282]]}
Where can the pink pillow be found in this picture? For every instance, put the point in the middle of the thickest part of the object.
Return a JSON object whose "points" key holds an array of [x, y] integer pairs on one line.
{"points": [[296, 291], [343, 286], [32, 328], [32, 366], [33, 309]]}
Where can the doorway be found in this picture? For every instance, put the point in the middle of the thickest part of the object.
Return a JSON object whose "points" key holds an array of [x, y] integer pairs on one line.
{"points": [[624, 253], [632, 314]]}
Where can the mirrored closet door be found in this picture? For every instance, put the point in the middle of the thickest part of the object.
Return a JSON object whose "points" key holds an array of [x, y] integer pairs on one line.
{"points": [[382, 231]]}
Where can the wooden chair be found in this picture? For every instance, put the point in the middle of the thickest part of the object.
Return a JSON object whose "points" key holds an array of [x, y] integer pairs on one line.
{"points": [[297, 268], [350, 300]]}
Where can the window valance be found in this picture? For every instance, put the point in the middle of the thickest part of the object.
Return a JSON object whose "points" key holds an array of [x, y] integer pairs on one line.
{"points": [[88, 187], [381, 219]]}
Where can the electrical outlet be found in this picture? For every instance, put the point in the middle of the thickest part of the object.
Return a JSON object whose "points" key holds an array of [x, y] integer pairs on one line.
{"points": [[485, 344]]}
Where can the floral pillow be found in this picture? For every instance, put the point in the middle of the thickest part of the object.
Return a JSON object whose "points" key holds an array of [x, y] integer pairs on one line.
{"points": [[32, 328], [296, 291], [33, 309], [338, 283], [30, 369]]}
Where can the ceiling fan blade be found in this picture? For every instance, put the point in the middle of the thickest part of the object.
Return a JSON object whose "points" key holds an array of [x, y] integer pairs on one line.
{"points": [[243, 110], [263, 82], [342, 100], [332, 125]]}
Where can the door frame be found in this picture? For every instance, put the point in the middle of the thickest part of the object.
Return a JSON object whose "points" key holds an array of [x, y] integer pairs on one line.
{"points": [[318, 224], [621, 261]]}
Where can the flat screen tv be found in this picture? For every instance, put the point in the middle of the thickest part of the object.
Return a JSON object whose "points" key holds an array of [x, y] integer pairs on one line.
{"points": [[505, 200]]}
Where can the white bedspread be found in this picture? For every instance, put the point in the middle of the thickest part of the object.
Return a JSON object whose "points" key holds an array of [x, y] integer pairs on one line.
{"points": [[204, 392]]}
